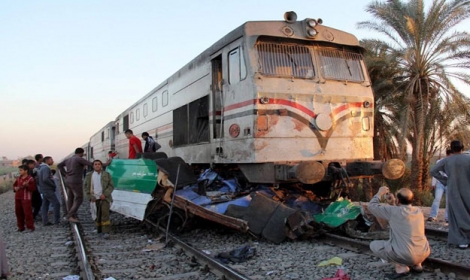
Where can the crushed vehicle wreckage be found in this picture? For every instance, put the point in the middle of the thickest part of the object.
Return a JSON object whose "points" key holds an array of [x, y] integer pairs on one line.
{"points": [[144, 190]]}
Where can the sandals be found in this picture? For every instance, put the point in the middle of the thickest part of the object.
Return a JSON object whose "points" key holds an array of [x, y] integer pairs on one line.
{"points": [[396, 275]]}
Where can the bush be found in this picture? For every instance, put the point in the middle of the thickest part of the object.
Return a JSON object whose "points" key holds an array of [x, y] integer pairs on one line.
{"points": [[5, 186], [7, 169]]}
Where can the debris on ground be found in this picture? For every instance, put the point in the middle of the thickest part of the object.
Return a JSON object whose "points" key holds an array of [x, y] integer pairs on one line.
{"points": [[71, 277], [332, 261], [338, 212], [274, 212], [237, 255], [340, 275]]}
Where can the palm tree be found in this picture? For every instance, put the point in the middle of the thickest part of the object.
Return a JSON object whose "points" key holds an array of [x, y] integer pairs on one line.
{"points": [[383, 71], [431, 54]]}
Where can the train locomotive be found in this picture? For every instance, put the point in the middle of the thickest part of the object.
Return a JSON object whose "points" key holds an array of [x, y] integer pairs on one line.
{"points": [[278, 101]]}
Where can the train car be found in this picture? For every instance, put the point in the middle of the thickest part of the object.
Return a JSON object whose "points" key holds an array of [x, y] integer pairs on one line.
{"points": [[102, 142], [281, 100]]}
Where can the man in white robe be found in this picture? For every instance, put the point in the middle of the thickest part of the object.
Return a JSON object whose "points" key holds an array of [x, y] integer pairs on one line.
{"points": [[457, 168]]}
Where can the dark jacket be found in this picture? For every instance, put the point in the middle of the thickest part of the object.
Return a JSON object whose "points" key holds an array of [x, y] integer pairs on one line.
{"points": [[151, 145]]}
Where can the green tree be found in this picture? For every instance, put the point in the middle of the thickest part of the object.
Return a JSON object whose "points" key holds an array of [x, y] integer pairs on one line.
{"points": [[384, 74], [430, 55]]}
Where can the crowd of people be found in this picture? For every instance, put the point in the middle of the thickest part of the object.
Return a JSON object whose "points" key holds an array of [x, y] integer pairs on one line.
{"points": [[37, 192]]}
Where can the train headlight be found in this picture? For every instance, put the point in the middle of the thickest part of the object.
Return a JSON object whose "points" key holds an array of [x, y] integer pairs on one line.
{"points": [[309, 25], [366, 104], [311, 22], [312, 32]]}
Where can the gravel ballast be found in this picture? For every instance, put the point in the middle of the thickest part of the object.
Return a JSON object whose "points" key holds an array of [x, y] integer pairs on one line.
{"points": [[44, 255]]}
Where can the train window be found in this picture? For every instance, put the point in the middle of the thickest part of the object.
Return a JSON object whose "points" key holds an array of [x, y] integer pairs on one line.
{"points": [[154, 104], [165, 98], [125, 125], [137, 114], [107, 133], [117, 128], [341, 65], [285, 60], [191, 123], [236, 66], [102, 136], [145, 110], [132, 117]]}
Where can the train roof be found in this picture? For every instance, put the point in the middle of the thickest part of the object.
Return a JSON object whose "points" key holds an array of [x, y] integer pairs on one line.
{"points": [[109, 124], [259, 28]]}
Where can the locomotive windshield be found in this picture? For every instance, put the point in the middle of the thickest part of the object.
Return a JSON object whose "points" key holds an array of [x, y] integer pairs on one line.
{"points": [[340, 64], [296, 60], [285, 60]]}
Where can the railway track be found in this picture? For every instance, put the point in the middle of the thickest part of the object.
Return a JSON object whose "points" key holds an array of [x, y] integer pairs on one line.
{"points": [[438, 234], [430, 264], [130, 252]]}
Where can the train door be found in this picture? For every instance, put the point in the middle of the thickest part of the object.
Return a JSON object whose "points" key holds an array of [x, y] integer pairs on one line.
{"points": [[112, 138], [217, 98]]}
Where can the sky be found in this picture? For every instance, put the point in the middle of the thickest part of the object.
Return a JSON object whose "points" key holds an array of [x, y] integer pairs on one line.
{"points": [[67, 68]]}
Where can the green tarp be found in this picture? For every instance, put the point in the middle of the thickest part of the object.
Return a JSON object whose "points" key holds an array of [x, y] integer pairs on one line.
{"points": [[135, 175], [338, 213]]}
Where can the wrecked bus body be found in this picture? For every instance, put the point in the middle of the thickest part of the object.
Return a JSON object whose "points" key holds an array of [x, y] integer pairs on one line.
{"points": [[144, 190]]}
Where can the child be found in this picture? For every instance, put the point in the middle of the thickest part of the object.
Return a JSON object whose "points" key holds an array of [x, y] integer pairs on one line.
{"points": [[24, 187]]}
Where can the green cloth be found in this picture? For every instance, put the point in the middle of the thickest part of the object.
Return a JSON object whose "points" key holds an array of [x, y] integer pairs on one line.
{"points": [[338, 213]]}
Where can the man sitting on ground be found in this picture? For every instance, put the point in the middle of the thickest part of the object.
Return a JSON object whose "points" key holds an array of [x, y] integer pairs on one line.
{"points": [[408, 245]]}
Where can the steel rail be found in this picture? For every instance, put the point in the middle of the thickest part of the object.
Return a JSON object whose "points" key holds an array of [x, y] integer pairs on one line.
{"points": [[363, 247], [227, 272], [77, 236], [437, 233]]}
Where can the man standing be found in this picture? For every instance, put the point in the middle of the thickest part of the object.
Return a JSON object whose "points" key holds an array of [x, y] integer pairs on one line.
{"points": [[74, 181], [39, 159], [407, 245], [98, 189], [135, 145], [150, 145], [36, 200], [457, 169], [439, 190], [48, 192]]}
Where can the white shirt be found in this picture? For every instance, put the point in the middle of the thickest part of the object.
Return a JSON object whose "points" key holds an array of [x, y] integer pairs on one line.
{"points": [[96, 181]]}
